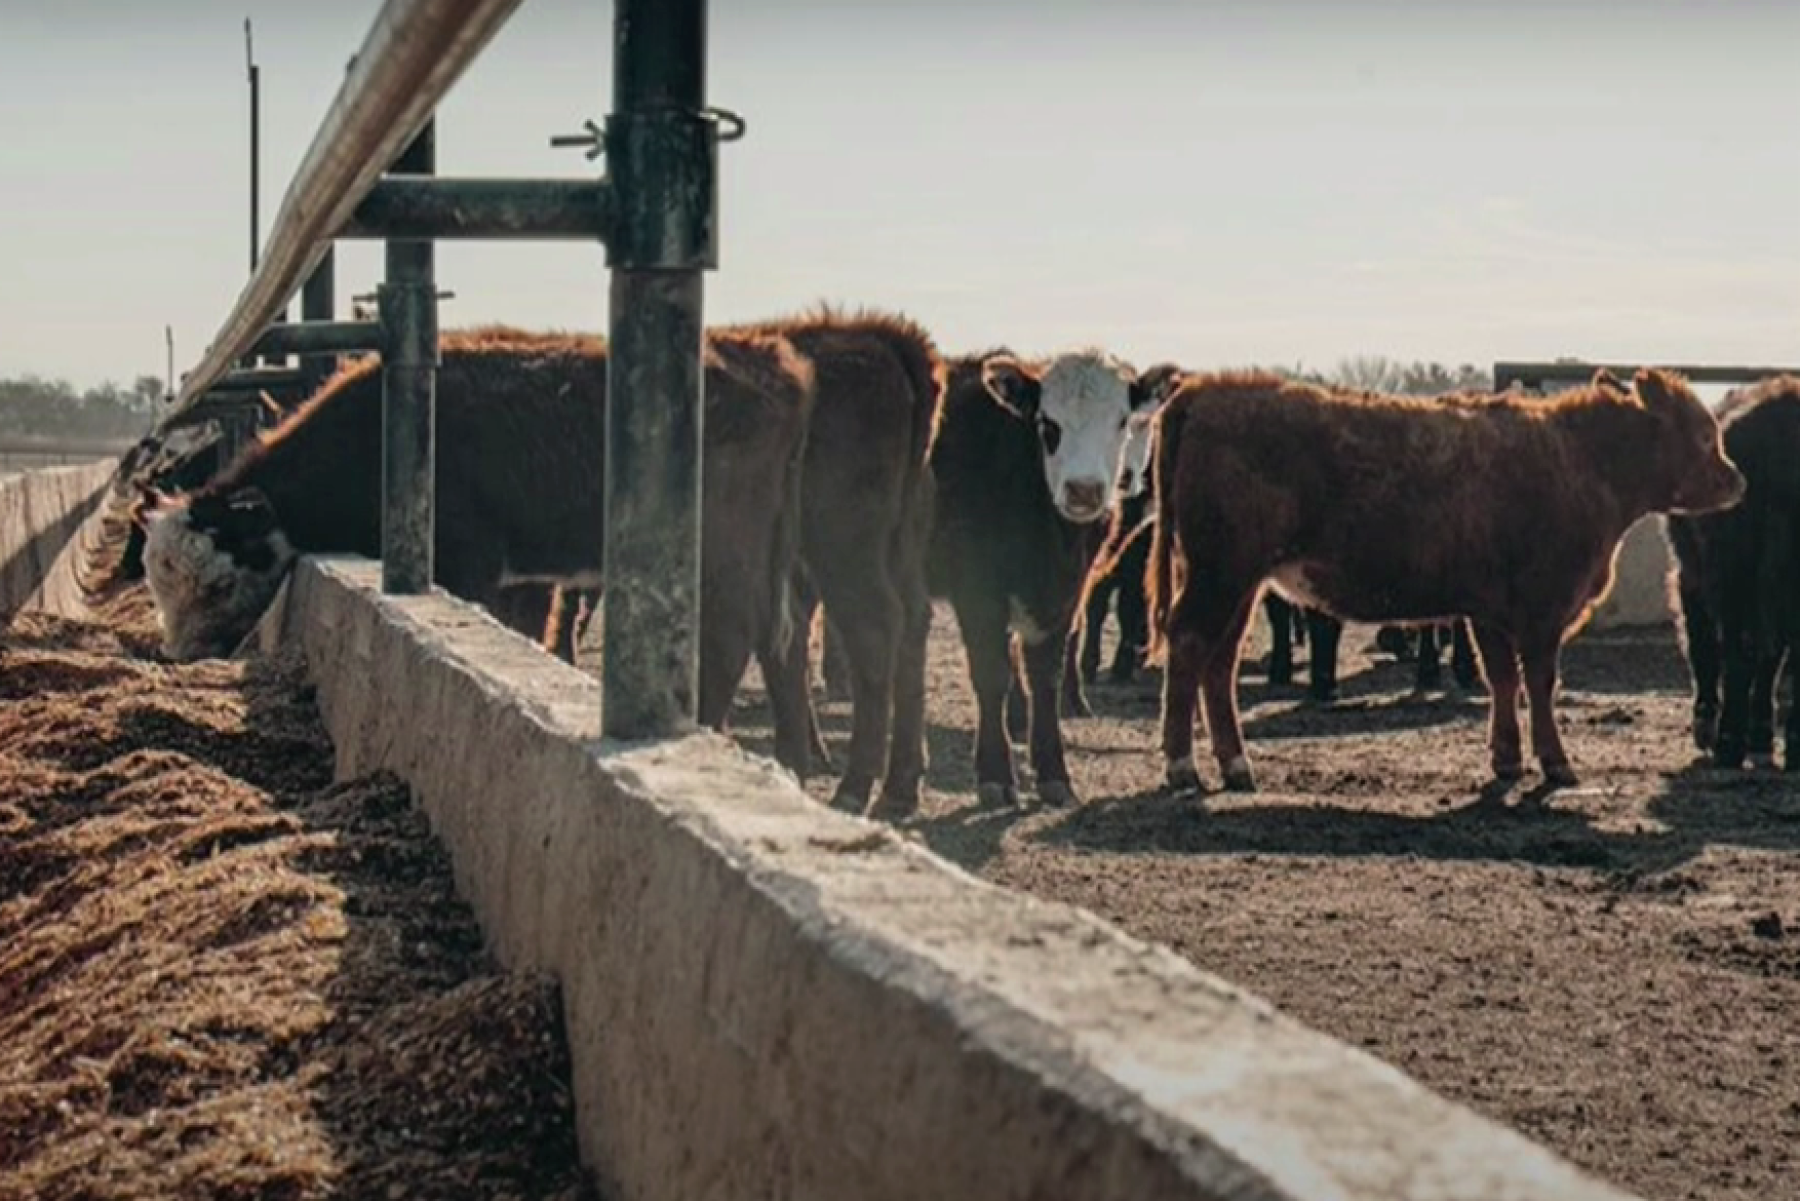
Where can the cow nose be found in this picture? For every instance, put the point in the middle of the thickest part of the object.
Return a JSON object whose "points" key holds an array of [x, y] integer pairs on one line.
{"points": [[1084, 497]]}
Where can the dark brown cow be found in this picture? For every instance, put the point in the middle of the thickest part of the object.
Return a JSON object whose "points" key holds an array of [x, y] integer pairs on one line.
{"points": [[1025, 461], [1737, 581], [519, 488], [866, 513], [1262, 479]]}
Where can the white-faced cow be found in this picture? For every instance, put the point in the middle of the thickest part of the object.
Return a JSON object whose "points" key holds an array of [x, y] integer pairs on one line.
{"points": [[1025, 461], [1261, 478], [1737, 582], [520, 459]]}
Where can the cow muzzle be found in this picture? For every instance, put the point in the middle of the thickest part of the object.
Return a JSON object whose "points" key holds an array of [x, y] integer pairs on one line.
{"points": [[1083, 500]]}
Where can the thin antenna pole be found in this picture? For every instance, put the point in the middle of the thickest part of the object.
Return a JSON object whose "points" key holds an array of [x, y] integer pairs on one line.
{"points": [[255, 143]]}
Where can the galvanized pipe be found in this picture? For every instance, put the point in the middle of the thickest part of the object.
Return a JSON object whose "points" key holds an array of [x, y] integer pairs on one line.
{"points": [[408, 301], [662, 156], [314, 338], [542, 209], [414, 52]]}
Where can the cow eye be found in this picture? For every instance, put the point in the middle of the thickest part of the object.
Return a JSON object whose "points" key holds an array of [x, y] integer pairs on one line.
{"points": [[1051, 433]]}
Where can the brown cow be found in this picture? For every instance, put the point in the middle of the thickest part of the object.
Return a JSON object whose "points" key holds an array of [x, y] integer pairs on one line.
{"points": [[866, 513], [519, 487], [1262, 479]]}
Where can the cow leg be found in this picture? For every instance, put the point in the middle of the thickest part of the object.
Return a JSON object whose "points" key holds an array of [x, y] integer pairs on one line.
{"points": [[1218, 690], [1540, 660], [1044, 664], [1700, 634], [1428, 672], [1134, 625], [906, 748], [1092, 624], [1500, 664], [1324, 632], [988, 645], [1737, 667], [833, 664], [799, 747], [1073, 697], [1018, 704], [1281, 647], [874, 620], [1790, 750], [1462, 657], [1760, 740]]}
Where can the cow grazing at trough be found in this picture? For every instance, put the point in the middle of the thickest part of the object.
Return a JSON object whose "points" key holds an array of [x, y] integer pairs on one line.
{"points": [[1737, 581], [519, 487], [1025, 461], [865, 519], [1261, 479]]}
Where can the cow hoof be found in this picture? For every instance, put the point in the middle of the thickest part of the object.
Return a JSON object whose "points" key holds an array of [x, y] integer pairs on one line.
{"points": [[1560, 775], [895, 805], [991, 794], [1181, 775], [1057, 793], [1507, 771], [1728, 755], [1078, 708], [1238, 776], [852, 796]]}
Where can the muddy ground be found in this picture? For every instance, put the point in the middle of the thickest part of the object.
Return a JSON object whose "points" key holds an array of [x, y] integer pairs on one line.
{"points": [[1614, 969], [221, 976]]}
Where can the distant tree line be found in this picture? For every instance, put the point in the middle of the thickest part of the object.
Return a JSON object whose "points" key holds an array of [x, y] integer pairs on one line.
{"points": [[1376, 373], [34, 408]]}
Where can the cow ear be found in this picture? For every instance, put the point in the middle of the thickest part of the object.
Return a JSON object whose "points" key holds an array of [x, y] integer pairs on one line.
{"points": [[1606, 379], [1155, 385], [1007, 381], [1653, 387]]}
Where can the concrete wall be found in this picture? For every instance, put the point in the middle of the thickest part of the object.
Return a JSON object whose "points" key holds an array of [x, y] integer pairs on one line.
{"points": [[40, 512], [765, 998]]}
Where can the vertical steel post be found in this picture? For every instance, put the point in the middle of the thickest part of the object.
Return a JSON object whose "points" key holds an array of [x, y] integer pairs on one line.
{"points": [[408, 300], [662, 154], [318, 302]]}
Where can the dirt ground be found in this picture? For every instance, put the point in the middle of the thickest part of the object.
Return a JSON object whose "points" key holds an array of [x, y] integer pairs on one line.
{"points": [[1613, 970], [222, 976]]}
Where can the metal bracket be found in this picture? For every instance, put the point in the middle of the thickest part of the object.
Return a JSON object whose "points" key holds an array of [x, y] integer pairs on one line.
{"points": [[594, 139]]}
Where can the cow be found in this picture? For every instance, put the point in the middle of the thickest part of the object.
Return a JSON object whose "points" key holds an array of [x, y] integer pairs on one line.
{"points": [[1263, 480], [519, 483], [1025, 461], [1736, 582], [865, 519]]}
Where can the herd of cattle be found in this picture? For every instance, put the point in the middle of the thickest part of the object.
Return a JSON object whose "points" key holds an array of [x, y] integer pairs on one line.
{"points": [[849, 466]]}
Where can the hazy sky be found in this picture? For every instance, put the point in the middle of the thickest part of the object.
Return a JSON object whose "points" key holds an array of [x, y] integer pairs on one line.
{"points": [[1210, 182]]}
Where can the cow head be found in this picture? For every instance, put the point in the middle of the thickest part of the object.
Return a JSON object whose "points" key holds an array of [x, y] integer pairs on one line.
{"points": [[1081, 406], [1159, 382], [213, 563], [1697, 476]]}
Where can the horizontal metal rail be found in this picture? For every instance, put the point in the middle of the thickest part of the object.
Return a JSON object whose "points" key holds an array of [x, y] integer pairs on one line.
{"points": [[318, 337], [1537, 373], [414, 52], [438, 208]]}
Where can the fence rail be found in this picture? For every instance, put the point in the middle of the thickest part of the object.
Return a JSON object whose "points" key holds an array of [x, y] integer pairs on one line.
{"points": [[1537, 373], [414, 52]]}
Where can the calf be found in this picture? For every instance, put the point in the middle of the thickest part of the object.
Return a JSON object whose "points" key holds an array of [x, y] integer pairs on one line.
{"points": [[1261, 479], [1737, 581], [865, 520], [1025, 460], [520, 495], [1117, 577]]}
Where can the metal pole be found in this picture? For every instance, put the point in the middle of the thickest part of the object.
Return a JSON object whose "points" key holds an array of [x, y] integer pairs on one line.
{"points": [[662, 154], [255, 143], [408, 301], [318, 302]]}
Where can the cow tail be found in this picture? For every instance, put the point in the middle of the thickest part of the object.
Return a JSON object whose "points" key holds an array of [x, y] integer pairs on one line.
{"points": [[1157, 577]]}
